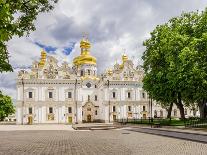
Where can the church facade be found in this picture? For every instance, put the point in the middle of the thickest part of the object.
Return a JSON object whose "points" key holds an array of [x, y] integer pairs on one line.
{"points": [[52, 93]]}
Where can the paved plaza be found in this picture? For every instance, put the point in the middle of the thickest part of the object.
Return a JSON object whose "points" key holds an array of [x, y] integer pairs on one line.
{"points": [[104, 142]]}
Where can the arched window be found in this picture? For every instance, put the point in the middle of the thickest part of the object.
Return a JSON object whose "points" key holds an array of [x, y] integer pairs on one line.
{"points": [[186, 112], [161, 113], [96, 97], [155, 114], [175, 112], [82, 72], [129, 95], [144, 108]]}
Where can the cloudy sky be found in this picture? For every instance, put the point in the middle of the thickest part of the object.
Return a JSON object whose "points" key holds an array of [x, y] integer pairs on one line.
{"points": [[113, 27]]}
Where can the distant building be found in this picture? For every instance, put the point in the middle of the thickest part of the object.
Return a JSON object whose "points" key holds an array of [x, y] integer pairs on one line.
{"points": [[50, 93]]}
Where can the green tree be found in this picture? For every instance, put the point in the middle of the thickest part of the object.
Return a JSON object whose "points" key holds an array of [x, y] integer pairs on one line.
{"points": [[16, 18], [6, 106], [175, 61]]}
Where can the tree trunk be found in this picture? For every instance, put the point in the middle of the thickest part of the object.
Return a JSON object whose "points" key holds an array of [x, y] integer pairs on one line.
{"points": [[202, 105], [179, 104], [169, 111]]}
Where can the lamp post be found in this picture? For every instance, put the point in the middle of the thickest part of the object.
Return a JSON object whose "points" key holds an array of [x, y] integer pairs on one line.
{"points": [[109, 100], [22, 99], [76, 105], [151, 110]]}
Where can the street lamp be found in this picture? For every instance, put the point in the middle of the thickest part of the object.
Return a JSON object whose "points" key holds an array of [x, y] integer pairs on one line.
{"points": [[22, 99], [76, 105], [109, 100]]}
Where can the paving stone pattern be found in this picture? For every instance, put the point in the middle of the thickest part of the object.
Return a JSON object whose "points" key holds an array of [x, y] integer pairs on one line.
{"points": [[175, 134], [110, 142]]}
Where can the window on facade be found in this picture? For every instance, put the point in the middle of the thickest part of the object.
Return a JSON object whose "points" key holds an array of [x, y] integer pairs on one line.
{"points": [[89, 98], [114, 94], [143, 95], [155, 113], [88, 109], [161, 113], [96, 112], [96, 97], [81, 72], [30, 110], [69, 109], [175, 112], [50, 110], [50, 94], [129, 108], [95, 86], [144, 108], [186, 112], [69, 94], [30, 94], [114, 108], [129, 95], [89, 72]]}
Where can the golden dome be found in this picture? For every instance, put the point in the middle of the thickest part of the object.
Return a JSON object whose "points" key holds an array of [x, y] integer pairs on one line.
{"points": [[42, 59], [110, 72], [124, 58], [85, 57]]}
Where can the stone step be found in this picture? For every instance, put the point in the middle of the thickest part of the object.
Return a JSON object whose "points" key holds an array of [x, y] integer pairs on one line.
{"points": [[100, 127]]}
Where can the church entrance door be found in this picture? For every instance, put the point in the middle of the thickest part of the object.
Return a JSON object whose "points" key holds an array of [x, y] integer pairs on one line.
{"points": [[88, 118], [30, 120], [144, 116], [69, 119], [114, 117]]}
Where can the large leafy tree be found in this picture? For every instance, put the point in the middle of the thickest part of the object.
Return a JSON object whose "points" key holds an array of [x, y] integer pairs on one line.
{"points": [[16, 18], [6, 106], [175, 61]]}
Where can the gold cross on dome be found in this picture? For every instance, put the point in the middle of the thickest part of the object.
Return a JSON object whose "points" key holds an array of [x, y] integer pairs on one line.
{"points": [[124, 51], [85, 35]]}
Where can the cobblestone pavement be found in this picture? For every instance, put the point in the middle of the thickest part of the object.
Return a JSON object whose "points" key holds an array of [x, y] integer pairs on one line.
{"points": [[35, 127], [175, 134], [108, 142]]}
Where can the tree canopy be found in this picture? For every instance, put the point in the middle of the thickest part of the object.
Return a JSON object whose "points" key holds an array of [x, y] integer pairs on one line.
{"points": [[6, 106], [17, 18], [175, 61]]}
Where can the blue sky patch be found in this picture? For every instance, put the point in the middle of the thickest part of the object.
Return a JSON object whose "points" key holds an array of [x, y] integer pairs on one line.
{"points": [[68, 50], [48, 49]]}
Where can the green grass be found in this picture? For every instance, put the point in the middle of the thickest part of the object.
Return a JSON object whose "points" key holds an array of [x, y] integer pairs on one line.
{"points": [[163, 122]]}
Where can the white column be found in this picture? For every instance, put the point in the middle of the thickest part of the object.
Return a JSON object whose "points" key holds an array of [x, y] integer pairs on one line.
{"points": [[19, 116], [44, 113], [124, 111], [80, 114], [106, 111]]}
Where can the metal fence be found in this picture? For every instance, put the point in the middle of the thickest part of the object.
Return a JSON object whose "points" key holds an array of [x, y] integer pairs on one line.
{"points": [[189, 122], [196, 123], [147, 121]]}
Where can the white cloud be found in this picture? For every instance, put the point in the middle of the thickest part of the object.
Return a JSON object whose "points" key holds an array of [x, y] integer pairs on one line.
{"points": [[112, 26]]}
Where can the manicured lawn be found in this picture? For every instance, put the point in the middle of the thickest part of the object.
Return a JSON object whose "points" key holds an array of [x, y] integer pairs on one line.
{"points": [[164, 122]]}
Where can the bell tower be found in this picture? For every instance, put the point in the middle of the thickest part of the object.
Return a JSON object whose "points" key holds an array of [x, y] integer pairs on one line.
{"points": [[85, 62]]}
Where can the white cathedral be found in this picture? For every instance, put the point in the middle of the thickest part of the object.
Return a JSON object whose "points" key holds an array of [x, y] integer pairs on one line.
{"points": [[51, 93]]}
